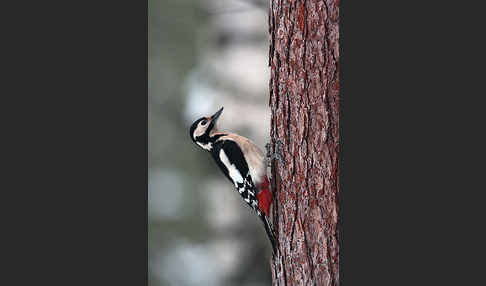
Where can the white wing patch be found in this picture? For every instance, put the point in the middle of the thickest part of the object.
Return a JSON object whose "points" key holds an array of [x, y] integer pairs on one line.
{"points": [[232, 171], [253, 155]]}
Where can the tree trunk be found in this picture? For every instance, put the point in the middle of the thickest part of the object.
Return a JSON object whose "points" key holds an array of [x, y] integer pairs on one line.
{"points": [[304, 88]]}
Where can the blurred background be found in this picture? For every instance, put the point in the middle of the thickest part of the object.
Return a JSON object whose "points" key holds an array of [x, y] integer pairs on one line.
{"points": [[204, 54]]}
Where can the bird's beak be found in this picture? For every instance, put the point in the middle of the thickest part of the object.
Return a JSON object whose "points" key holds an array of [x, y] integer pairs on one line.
{"points": [[216, 115]]}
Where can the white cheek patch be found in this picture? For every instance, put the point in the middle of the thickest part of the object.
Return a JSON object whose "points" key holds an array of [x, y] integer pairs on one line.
{"points": [[232, 171], [200, 130]]}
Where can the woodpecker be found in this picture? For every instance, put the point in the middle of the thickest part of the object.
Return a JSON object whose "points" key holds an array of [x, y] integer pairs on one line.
{"points": [[241, 161]]}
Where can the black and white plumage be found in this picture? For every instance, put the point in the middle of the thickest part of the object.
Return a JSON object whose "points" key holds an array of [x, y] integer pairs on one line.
{"points": [[241, 161]]}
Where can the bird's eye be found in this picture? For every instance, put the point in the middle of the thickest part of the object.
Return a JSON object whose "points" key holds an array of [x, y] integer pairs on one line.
{"points": [[204, 122]]}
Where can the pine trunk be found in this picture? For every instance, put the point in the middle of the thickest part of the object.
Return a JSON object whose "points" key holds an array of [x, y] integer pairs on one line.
{"points": [[304, 87]]}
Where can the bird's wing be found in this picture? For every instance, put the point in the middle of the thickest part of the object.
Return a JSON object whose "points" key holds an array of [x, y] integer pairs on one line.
{"points": [[236, 169], [255, 158]]}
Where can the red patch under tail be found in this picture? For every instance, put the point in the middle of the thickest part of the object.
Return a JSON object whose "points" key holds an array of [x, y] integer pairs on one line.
{"points": [[265, 196]]}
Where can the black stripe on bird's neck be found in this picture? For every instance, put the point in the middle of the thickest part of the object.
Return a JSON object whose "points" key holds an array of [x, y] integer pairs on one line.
{"points": [[207, 138], [215, 137]]}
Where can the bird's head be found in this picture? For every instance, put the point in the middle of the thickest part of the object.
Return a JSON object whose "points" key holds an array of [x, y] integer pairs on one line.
{"points": [[202, 129]]}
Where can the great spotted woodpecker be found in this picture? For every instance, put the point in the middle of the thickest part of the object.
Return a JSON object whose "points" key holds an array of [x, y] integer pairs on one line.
{"points": [[242, 162]]}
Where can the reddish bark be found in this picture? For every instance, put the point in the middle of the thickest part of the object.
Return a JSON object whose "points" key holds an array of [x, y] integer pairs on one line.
{"points": [[304, 87]]}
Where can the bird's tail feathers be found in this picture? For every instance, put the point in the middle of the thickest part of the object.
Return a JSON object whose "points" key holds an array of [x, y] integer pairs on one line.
{"points": [[270, 233]]}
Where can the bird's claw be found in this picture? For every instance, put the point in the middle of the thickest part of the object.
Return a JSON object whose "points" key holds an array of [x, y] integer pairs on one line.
{"points": [[277, 154]]}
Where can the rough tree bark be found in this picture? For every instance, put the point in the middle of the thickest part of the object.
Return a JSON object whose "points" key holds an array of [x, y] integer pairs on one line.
{"points": [[304, 88]]}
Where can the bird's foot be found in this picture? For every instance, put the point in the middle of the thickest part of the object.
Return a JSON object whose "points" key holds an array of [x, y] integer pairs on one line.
{"points": [[277, 154]]}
